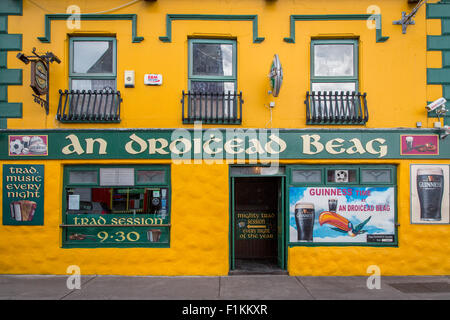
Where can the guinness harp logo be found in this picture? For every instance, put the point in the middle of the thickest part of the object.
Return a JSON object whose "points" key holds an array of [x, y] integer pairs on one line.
{"points": [[39, 76]]}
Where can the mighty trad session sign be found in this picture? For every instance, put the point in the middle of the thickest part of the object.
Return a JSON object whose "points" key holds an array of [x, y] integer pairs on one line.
{"points": [[256, 225], [23, 194]]}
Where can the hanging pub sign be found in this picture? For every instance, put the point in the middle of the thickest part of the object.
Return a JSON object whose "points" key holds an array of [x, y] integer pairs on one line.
{"points": [[430, 194], [39, 77], [23, 194], [40, 65]]}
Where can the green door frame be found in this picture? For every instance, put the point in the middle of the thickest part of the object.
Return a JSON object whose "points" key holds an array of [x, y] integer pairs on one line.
{"points": [[281, 222]]}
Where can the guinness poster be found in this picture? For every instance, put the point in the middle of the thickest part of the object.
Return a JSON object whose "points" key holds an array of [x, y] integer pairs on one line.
{"points": [[429, 194]]}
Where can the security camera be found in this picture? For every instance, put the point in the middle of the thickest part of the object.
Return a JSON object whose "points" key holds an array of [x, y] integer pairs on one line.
{"points": [[436, 104]]}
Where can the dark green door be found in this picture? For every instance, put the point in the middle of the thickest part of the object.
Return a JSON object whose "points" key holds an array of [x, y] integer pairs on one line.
{"points": [[257, 220]]}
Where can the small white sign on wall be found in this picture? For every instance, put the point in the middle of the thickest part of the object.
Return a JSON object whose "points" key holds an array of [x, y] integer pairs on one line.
{"points": [[153, 79], [74, 202]]}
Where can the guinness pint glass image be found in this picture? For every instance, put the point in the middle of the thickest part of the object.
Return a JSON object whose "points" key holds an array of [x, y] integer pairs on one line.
{"points": [[430, 189], [332, 205], [409, 143], [304, 219]]}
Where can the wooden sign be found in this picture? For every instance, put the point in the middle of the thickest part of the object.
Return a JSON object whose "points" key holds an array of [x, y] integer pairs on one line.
{"points": [[256, 225], [39, 77]]}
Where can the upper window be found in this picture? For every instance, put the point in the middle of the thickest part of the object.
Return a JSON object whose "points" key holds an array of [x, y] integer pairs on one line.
{"points": [[92, 63], [212, 96], [92, 81], [335, 96], [212, 66], [334, 65]]}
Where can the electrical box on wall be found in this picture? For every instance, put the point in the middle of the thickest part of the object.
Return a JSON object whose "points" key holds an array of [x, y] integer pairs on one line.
{"points": [[129, 79], [153, 79]]}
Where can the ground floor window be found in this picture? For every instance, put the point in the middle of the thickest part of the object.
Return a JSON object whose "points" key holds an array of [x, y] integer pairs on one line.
{"points": [[116, 206], [342, 205]]}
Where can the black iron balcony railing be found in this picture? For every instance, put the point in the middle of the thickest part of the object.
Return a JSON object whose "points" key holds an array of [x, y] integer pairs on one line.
{"points": [[89, 106], [336, 108], [216, 108]]}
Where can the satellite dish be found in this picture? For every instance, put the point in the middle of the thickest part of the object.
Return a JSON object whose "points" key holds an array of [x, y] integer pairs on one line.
{"points": [[276, 76]]}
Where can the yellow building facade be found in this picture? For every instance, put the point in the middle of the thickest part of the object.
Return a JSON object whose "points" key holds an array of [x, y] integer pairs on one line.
{"points": [[193, 164]]}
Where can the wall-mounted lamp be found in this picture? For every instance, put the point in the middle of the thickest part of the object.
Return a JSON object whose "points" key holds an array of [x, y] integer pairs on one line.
{"points": [[40, 75]]}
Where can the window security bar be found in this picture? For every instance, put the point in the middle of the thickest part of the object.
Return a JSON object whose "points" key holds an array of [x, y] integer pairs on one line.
{"points": [[216, 108], [336, 108], [89, 106]]}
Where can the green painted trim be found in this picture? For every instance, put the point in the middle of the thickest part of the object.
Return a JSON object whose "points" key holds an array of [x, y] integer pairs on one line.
{"points": [[3, 59], [10, 110], [446, 58], [231, 227], [3, 93], [212, 17], [336, 17], [11, 7], [90, 17], [282, 218], [10, 76], [445, 26], [10, 42], [3, 24], [437, 10], [435, 43], [438, 76]]}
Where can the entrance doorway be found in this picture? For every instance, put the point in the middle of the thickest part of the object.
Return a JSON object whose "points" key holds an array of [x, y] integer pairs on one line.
{"points": [[257, 215]]}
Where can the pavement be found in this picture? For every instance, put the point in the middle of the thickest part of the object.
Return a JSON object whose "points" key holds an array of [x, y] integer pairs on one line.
{"points": [[235, 287]]}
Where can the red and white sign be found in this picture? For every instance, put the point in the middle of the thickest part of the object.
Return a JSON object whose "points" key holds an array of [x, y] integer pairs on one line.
{"points": [[153, 79]]}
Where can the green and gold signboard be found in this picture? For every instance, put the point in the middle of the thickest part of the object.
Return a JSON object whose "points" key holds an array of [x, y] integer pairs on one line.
{"points": [[23, 194], [256, 226], [214, 144]]}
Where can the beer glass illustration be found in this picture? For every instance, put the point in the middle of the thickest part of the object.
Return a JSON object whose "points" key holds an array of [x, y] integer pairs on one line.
{"points": [[409, 143], [332, 205], [430, 188], [304, 219], [153, 235]]}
